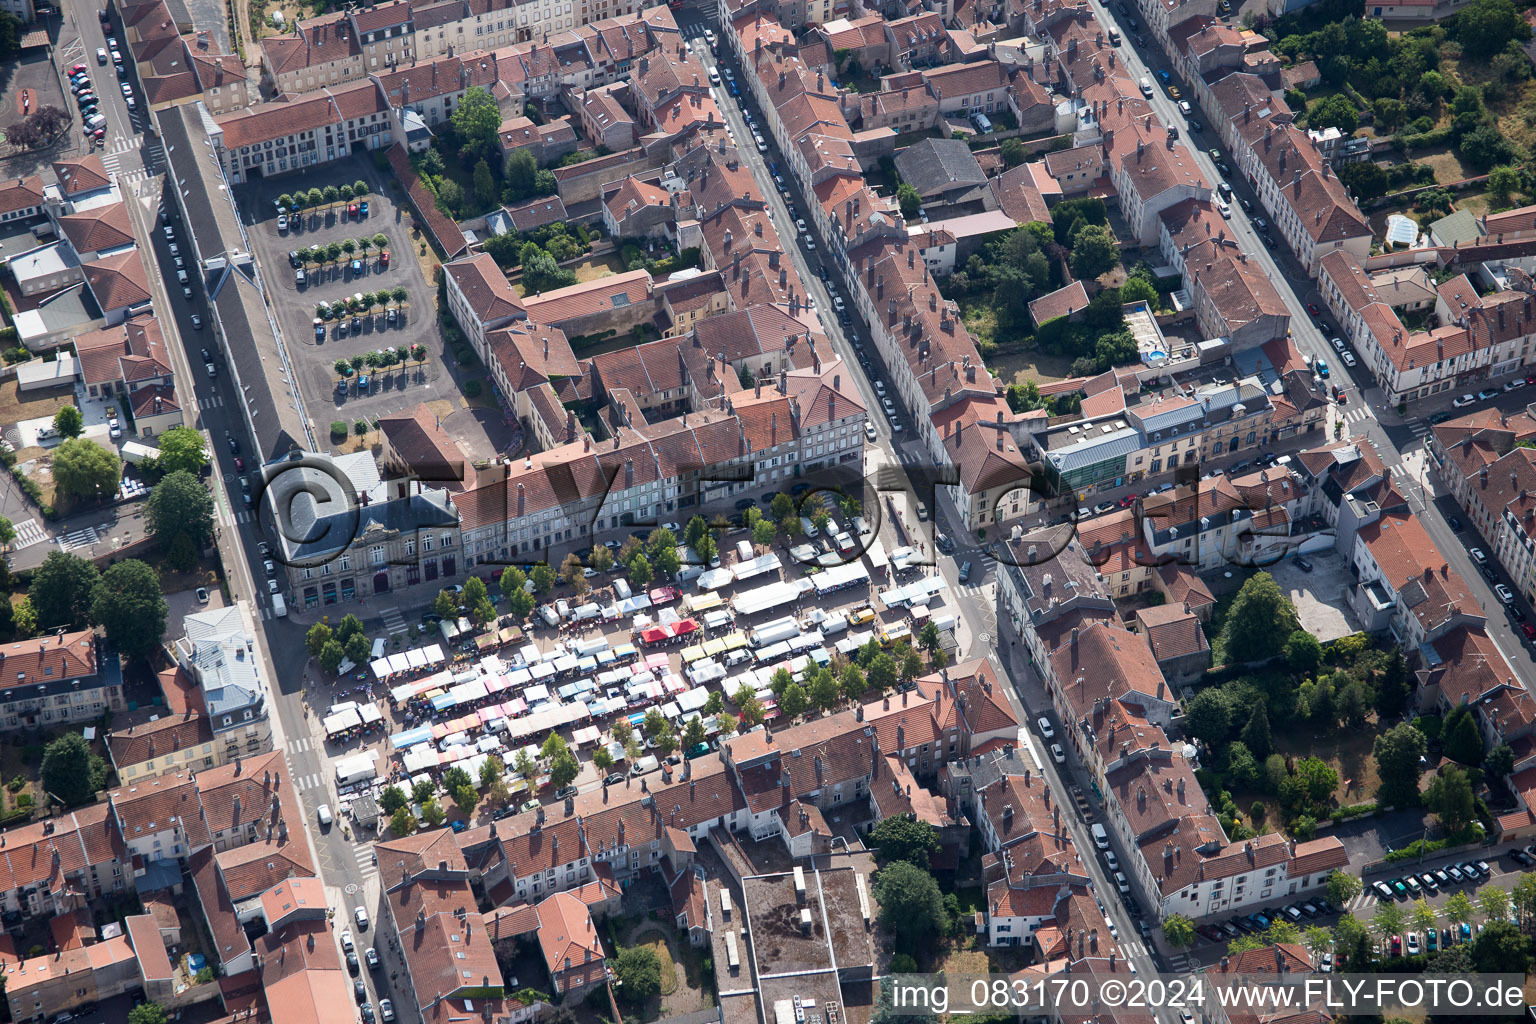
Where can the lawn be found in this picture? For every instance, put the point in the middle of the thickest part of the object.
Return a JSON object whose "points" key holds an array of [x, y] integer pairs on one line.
{"points": [[1024, 364], [587, 270], [1447, 166], [14, 406], [663, 952], [1348, 752]]}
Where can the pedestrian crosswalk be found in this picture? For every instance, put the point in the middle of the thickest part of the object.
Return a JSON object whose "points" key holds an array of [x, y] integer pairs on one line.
{"points": [[365, 865], [1358, 414], [1416, 426], [301, 745], [211, 402], [28, 532], [302, 783], [394, 622], [82, 538]]}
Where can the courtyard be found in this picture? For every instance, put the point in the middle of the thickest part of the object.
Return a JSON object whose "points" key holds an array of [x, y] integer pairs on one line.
{"points": [[393, 390]]}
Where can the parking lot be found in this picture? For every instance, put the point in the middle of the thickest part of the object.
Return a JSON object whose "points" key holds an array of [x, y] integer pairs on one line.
{"points": [[37, 81], [391, 391], [1319, 595]]}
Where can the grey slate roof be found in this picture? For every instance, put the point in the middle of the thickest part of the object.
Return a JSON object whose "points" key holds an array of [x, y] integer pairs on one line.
{"points": [[937, 165]]}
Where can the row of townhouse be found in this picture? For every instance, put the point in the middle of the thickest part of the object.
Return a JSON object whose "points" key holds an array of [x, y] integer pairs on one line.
{"points": [[1485, 464], [331, 107], [937, 369], [1107, 685], [1310, 208], [342, 47], [178, 62], [1487, 327]]}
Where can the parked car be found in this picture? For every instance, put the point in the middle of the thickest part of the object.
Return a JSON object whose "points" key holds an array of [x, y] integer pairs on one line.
{"points": [[1463, 401]]}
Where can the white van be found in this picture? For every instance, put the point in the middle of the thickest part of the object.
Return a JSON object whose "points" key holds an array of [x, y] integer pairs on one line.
{"points": [[279, 606], [807, 527], [562, 608], [548, 615], [1146, 87], [1100, 837], [378, 648], [744, 550], [645, 765]]}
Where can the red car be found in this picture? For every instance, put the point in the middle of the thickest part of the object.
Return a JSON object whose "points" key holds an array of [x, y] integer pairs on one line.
{"points": [[79, 67], [1531, 379], [1397, 945], [1128, 501], [1311, 308], [352, 210], [239, 464], [1529, 630], [384, 257]]}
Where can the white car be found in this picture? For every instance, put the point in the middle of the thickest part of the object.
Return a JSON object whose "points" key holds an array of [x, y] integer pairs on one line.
{"points": [[674, 528], [1111, 861], [1413, 943], [1505, 594], [1348, 358], [1121, 883], [1464, 400], [1478, 556], [1338, 344], [361, 917], [347, 945], [282, 222], [1518, 382], [1045, 728], [1224, 208], [1057, 754]]}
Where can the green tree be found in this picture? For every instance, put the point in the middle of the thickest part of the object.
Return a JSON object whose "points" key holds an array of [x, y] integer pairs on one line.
{"points": [[318, 636], [1421, 916], [71, 772], [1388, 919], [1397, 753], [147, 1013], [1256, 732], [543, 578], [714, 703], [853, 682], [432, 813], [1317, 777], [1493, 902], [1502, 183], [1179, 931], [522, 173], [402, 822], [750, 708], [1457, 908], [899, 838], [357, 649], [602, 760], [665, 562], [446, 605], [84, 469], [1500, 948], [1449, 797], [782, 506], [1014, 153], [477, 120], [331, 656], [1336, 111], [881, 672], [61, 590], [392, 799], [1484, 27], [485, 185], [764, 533], [1393, 686], [1460, 738], [824, 692], [1209, 717], [1259, 621], [793, 701], [1343, 887], [910, 903], [1303, 653], [638, 971], [127, 603], [693, 733], [1499, 762], [69, 422], [909, 200], [182, 450], [512, 587], [640, 573], [1094, 252], [180, 506]]}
